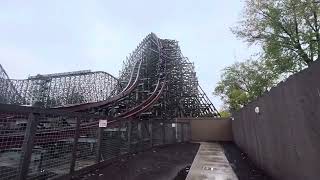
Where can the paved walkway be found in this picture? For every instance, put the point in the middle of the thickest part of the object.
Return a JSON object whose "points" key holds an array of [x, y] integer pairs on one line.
{"points": [[158, 163], [211, 163]]}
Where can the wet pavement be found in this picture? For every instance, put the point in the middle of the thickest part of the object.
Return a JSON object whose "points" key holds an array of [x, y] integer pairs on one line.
{"points": [[211, 163], [159, 163]]}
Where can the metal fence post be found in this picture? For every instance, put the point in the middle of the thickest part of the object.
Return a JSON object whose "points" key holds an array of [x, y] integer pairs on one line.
{"points": [[75, 146], [27, 146], [119, 137], [163, 134], [189, 132], [139, 131], [99, 144], [140, 140], [182, 132], [151, 132], [174, 132], [129, 135]]}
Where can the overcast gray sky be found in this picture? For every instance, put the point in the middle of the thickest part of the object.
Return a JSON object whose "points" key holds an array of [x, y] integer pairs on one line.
{"points": [[40, 37]]}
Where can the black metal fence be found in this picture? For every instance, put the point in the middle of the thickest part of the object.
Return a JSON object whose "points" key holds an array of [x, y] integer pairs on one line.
{"points": [[283, 138], [47, 144]]}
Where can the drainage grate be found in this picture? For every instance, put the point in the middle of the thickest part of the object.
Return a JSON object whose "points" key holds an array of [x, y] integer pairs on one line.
{"points": [[208, 168]]}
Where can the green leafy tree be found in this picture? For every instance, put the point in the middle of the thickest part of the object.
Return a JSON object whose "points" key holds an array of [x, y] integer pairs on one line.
{"points": [[244, 81], [288, 31], [225, 114]]}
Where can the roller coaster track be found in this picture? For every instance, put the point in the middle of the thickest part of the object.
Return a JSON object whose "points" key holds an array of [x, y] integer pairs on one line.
{"points": [[132, 84], [155, 63], [156, 82], [162, 58]]}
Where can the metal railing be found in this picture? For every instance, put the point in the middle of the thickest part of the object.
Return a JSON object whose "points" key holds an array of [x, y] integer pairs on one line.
{"points": [[47, 144]]}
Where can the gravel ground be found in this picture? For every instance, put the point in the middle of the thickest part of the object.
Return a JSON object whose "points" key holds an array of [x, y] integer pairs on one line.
{"points": [[162, 163], [242, 165]]}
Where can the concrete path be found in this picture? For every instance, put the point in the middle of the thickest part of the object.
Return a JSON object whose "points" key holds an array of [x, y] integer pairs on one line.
{"points": [[158, 163], [211, 163]]}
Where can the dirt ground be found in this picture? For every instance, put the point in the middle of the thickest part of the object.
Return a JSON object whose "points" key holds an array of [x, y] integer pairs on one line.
{"points": [[241, 164], [162, 163]]}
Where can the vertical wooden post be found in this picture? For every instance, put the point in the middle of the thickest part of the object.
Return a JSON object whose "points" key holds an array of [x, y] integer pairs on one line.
{"points": [[163, 133], [129, 135], [119, 137], [151, 132], [75, 146], [189, 132], [140, 138], [99, 144], [182, 132], [27, 145], [139, 130], [174, 132]]}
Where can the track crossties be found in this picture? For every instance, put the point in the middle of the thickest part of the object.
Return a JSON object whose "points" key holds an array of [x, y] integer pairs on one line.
{"points": [[156, 82]]}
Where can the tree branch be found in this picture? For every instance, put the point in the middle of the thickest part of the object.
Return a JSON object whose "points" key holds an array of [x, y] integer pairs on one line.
{"points": [[309, 24]]}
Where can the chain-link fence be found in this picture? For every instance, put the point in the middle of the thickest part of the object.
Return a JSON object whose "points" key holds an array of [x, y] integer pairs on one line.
{"points": [[47, 144]]}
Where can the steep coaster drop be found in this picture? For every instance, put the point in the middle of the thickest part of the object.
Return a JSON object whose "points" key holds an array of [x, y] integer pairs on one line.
{"points": [[156, 82]]}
